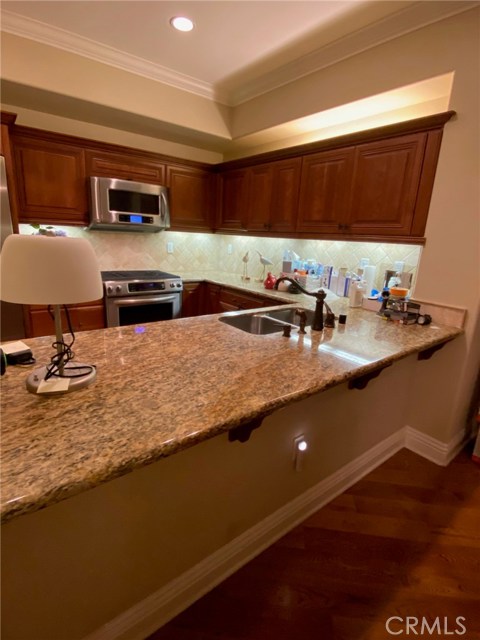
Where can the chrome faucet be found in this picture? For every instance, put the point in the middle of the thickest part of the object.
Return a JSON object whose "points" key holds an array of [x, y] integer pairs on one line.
{"points": [[318, 322]]}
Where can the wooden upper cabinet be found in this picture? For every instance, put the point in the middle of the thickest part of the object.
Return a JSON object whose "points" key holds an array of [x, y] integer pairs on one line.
{"points": [[324, 192], [385, 185], [260, 190], [190, 195], [125, 167], [50, 181], [232, 200], [261, 198], [374, 184]]}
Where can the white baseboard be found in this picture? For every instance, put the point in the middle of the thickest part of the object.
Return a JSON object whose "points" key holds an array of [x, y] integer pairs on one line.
{"points": [[432, 449], [161, 606]]}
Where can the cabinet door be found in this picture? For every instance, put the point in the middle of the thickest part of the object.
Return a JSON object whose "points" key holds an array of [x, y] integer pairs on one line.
{"points": [[385, 184], [260, 186], [232, 200], [51, 182], [324, 191], [192, 299], [210, 299], [124, 166], [284, 203], [272, 190], [190, 197]]}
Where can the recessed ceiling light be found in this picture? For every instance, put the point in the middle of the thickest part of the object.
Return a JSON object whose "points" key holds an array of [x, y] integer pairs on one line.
{"points": [[181, 23]]}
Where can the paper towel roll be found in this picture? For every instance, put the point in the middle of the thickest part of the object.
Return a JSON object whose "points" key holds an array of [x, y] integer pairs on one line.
{"points": [[369, 273]]}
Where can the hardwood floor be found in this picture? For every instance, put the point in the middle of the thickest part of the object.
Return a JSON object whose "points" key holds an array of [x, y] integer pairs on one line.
{"points": [[404, 541]]}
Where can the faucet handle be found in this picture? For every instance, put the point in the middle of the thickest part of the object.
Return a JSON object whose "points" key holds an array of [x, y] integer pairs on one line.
{"points": [[303, 319], [329, 320]]}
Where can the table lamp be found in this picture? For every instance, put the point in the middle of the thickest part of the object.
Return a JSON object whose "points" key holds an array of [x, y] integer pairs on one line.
{"points": [[54, 271]]}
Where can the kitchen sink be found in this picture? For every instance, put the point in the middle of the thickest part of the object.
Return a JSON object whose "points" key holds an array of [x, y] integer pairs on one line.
{"points": [[289, 315], [264, 323]]}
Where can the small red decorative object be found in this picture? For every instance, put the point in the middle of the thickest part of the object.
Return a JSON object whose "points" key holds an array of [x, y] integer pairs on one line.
{"points": [[269, 281]]}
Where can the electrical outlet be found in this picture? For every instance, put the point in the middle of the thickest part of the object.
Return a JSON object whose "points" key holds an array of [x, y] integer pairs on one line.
{"points": [[300, 447], [169, 247], [229, 249]]}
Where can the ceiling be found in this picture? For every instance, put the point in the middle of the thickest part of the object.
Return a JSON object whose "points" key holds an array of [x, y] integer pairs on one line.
{"points": [[238, 50]]}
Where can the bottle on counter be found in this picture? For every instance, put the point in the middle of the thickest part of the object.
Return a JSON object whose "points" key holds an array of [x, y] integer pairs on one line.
{"points": [[269, 281], [357, 291]]}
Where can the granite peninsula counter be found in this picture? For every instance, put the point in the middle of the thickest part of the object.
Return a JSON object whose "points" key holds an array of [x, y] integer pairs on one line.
{"points": [[171, 385]]}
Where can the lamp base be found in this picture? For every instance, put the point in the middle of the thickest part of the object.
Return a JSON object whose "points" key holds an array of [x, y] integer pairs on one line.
{"points": [[75, 381]]}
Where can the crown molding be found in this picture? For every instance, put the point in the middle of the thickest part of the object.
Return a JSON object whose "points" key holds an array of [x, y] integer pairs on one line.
{"points": [[405, 21], [53, 36]]}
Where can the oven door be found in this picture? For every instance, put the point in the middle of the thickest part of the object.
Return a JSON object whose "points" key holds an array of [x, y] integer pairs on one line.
{"points": [[142, 309]]}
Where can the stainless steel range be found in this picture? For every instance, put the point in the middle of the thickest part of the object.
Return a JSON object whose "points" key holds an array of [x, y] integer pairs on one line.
{"points": [[136, 297]]}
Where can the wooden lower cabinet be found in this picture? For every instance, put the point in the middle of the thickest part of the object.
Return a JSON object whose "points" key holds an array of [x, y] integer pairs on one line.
{"points": [[234, 300], [192, 299], [83, 318], [203, 298]]}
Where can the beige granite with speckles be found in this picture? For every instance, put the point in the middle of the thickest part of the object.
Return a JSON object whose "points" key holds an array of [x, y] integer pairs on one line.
{"points": [[172, 386]]}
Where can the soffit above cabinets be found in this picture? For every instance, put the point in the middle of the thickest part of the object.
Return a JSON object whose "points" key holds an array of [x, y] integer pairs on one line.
{"points": [[238, 49]]}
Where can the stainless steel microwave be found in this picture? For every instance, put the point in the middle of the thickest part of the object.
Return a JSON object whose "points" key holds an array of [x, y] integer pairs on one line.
{"points": [[123, 205]]}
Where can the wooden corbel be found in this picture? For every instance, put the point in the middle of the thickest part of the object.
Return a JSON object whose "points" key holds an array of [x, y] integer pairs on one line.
{"points": [[362, 381], [243, 432], [426, 354]]}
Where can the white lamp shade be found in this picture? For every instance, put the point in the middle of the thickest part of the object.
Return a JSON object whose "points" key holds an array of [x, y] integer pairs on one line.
{"points": [[49, 270]]}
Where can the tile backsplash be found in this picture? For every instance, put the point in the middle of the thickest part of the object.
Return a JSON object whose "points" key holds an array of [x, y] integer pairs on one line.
{"points": [[223, 253]]}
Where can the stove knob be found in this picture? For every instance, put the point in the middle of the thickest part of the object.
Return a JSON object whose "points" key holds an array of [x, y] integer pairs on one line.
{"points": [[178, 284], [171, 285], [109, 289], [118, 288]]}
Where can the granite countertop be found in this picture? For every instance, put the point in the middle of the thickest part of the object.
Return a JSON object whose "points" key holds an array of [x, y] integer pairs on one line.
{"points": [[167, 386]]}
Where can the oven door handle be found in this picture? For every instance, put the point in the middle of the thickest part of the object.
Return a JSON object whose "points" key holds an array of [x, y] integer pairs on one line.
{"points": [[142, 300]]}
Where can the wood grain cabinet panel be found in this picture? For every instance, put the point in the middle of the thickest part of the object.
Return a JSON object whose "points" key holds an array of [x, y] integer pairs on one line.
{"points": [[190, 194], [386, 178], [210, 298], [235, 300], [83, 318], [272, 196], [50, 182], [124, 166], [232, 200], [324, 191], [193, 299]]}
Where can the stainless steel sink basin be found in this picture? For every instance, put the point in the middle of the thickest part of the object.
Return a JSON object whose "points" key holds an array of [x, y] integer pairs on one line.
{"points": [[263, 323]]}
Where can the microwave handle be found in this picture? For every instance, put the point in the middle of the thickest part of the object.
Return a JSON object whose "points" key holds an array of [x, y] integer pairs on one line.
{"points": [[164, 212]]}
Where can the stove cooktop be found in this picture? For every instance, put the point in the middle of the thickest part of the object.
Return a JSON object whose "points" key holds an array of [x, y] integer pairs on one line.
{"points": [[136, 275]]}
